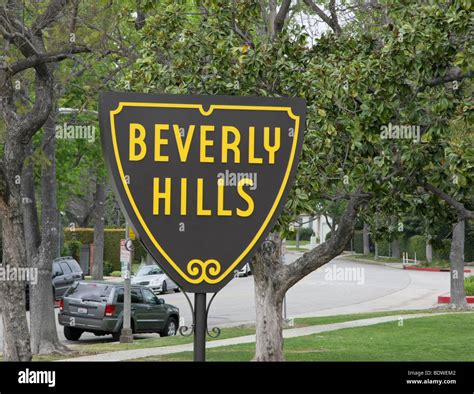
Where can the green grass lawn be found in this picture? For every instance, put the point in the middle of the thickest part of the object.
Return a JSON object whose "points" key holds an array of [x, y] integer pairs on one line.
{"points": [[84, 349], [434, 338], [371, 257], [315, 321], [291, 249], [469, 285], [292, 242], [380, 259]]}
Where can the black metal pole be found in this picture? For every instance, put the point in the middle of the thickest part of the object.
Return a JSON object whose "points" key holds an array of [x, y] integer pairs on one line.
{"points": [[200, 324]]}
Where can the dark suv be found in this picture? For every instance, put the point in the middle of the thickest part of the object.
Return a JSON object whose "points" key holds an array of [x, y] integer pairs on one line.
{"points": [[97, 307], [65, 272]]}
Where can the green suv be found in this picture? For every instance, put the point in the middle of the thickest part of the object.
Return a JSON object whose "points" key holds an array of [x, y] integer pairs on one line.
{"points": [[97, 307]]}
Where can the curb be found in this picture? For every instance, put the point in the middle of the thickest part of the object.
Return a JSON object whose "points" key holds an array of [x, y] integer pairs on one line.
{"points": [[447, 299], [363, 261], [430, 269]]}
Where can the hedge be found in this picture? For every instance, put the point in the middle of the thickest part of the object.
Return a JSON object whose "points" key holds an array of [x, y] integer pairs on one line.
{"points": [[383, 248], [305, 234], [417, 243], [112, 239], [358, 241]]}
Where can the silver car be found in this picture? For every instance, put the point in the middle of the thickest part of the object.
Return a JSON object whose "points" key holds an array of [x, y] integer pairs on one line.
{"points": [[155, 279]]}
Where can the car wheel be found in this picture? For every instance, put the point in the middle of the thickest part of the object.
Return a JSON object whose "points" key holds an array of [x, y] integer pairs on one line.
{"points": [[170, 329], [164, 287], [72, 334], [116, 335]]}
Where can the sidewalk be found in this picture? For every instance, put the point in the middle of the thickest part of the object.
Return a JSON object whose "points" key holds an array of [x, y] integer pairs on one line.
{"points": [[288, 333]]}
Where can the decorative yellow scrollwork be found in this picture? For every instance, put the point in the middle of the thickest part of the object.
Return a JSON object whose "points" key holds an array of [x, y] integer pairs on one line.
{"points": [[204, 271]]}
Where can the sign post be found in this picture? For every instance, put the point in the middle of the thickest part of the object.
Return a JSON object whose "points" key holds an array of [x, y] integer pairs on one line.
{"points": [[126, 256], [202, 179], [200, 327]]}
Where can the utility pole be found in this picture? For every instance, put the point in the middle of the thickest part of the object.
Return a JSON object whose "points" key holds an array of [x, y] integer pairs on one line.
{"points": [[298, 229]]}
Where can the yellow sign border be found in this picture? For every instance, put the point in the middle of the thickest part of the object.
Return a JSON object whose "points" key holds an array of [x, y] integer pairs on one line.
{"points": [[211, 109]]}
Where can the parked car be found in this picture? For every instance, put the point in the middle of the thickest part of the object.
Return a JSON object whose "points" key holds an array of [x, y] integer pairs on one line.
{"points": [[66, 270], [97, 307], [155, 279]]}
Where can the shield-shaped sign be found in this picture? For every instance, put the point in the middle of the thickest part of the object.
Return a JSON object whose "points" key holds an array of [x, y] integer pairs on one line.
{"points": [[201, 178]]}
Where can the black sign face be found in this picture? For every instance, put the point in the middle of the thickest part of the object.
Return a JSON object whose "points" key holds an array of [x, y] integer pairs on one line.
{"points": [[201, 178]]}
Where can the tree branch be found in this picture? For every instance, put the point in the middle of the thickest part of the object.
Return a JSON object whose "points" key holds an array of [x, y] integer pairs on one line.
{"points": [[36, 60], [280, 18], [332, 9], [346, 196], [325, 252], [453, 74], [330, 21], [463, 212], [51, 14]]}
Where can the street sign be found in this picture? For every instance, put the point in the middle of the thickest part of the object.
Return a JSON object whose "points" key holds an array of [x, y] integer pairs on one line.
{"points": [[125, 257], [202, 178]]}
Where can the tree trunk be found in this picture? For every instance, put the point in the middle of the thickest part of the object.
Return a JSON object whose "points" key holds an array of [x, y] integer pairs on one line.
{"points": [[456, 259], [98, 267], [44, 336], [273, 279], [396, 248], [16, 339], [429, 250], [365, 236], [30, 213], [268, 307], [266, 269]]}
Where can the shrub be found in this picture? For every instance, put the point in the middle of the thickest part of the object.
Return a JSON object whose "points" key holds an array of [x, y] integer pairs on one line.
{"points": [[116, 274], [417, 244], [382, 248], [108, 268], [441, 251], [306, 233], [72, 248], [112, 237], [358, 242], [469, 242], [469, 285]]}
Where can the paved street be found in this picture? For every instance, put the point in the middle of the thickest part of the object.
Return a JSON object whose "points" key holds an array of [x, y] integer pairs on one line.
{"points": [[383, 288]]}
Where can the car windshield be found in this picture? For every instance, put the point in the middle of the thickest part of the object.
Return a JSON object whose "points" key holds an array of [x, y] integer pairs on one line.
{"points": [[149, 270], [89, 291]]}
